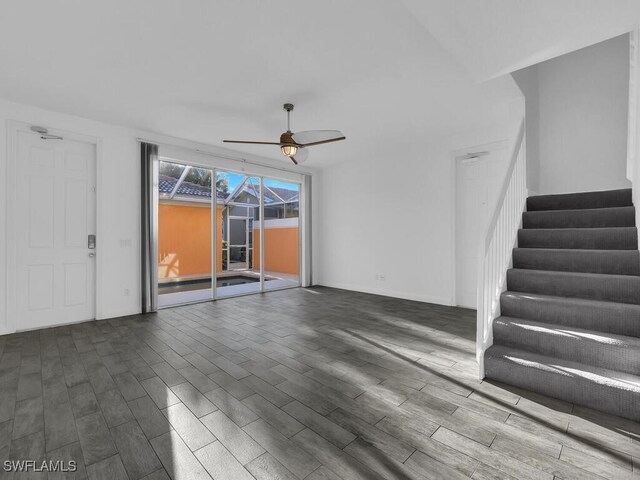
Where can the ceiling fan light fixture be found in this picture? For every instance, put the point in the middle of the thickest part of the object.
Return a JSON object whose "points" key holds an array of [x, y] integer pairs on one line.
{"points": [[289, 150], [294, 145]]}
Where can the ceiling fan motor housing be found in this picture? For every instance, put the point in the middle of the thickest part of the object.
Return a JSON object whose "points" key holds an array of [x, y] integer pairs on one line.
{"points": [[287, 137]]}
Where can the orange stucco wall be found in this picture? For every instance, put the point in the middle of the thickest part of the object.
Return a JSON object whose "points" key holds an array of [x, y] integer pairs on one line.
{"points": [[281, 251], [184, 240]]}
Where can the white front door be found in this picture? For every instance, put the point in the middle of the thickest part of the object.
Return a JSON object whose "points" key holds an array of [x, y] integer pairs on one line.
{"points": [[478, 182], [55, 214]]}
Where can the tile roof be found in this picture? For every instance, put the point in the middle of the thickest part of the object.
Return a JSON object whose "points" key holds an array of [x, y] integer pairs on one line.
{"points": [[187, 189], [285, 194], [166, 185]]}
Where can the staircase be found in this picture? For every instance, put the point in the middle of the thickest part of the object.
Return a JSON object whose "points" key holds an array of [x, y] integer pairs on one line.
{"points": [[570, 324]]}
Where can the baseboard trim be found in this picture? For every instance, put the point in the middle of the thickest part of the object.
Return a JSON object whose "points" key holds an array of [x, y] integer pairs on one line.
{"points": [[116, 314], [123, 312], [388, 293]]}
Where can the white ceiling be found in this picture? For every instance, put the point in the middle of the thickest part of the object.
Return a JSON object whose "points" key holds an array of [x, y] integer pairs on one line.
{"points": [[494, 37], [208, 70]]}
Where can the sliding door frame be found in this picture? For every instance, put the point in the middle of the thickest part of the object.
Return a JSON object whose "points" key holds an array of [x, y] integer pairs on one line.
{"points": [[301, 282], [217, 163], [301, 232], [262, 249], [214, 233]]}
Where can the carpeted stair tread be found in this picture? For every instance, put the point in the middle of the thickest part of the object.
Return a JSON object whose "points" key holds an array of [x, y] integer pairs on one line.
{"points": [[605, 350], [616, 262], [585, 218], [619, 238], [594, 286], [572, 201], [596, 315], [606, 390]]}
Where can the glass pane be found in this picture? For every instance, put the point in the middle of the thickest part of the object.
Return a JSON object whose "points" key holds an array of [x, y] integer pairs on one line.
{"points": [[238, 204], [281, 235], [184, 234]]}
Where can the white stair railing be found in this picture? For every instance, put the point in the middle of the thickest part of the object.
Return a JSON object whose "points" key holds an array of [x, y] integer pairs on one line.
{"points": [[494, 256]]}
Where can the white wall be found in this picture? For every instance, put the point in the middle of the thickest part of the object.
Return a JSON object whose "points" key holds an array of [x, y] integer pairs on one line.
{"points": [[577, 119], [386, 217], [393, 214], [118, 200], [633, 136], [527, 80]]}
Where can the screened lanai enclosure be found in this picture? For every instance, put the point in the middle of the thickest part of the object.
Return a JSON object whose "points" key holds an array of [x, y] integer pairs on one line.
{"points": [[200, 233]]}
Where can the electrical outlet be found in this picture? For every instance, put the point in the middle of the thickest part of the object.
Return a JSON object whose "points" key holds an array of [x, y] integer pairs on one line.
{"points": [[126, 292], [382, 277]]}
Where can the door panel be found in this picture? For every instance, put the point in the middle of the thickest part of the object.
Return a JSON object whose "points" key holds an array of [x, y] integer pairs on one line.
{"points": [[41, 212], [75, 278], [55, 214], [75, 221], [281, 234], [41, 157], [239, 272], [185, 211], [75, 162], [40, 287]]}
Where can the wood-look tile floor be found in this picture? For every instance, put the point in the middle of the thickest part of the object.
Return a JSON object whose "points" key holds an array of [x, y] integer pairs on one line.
{"points": [[305, 383]]}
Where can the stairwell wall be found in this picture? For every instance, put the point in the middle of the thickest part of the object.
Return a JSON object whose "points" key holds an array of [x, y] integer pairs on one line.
{"points": [[633, 128], [577, 106]]}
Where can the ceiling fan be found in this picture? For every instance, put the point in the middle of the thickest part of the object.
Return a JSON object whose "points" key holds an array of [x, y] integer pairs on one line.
{"points": [[294, 145]]}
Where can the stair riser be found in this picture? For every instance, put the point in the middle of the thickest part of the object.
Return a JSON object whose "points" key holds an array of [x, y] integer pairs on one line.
{"points": [[617, 318], [571, 388], [602, 218], [570, 201], [619, 262], [611, 289], [592, 239], [571, 347]]}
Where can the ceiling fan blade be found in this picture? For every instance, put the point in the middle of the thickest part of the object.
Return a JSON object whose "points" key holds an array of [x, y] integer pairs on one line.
{"points": [[300, 156], [255, 143], [317, 137]]}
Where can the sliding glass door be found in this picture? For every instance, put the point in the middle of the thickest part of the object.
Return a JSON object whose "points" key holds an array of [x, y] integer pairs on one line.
{"points": [[222, 233], [184, 233], [238, 271], [281, 235]]}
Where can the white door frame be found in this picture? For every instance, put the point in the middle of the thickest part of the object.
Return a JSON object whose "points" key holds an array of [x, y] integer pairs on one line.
{"points": [[455, 155], [13, 128]]}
